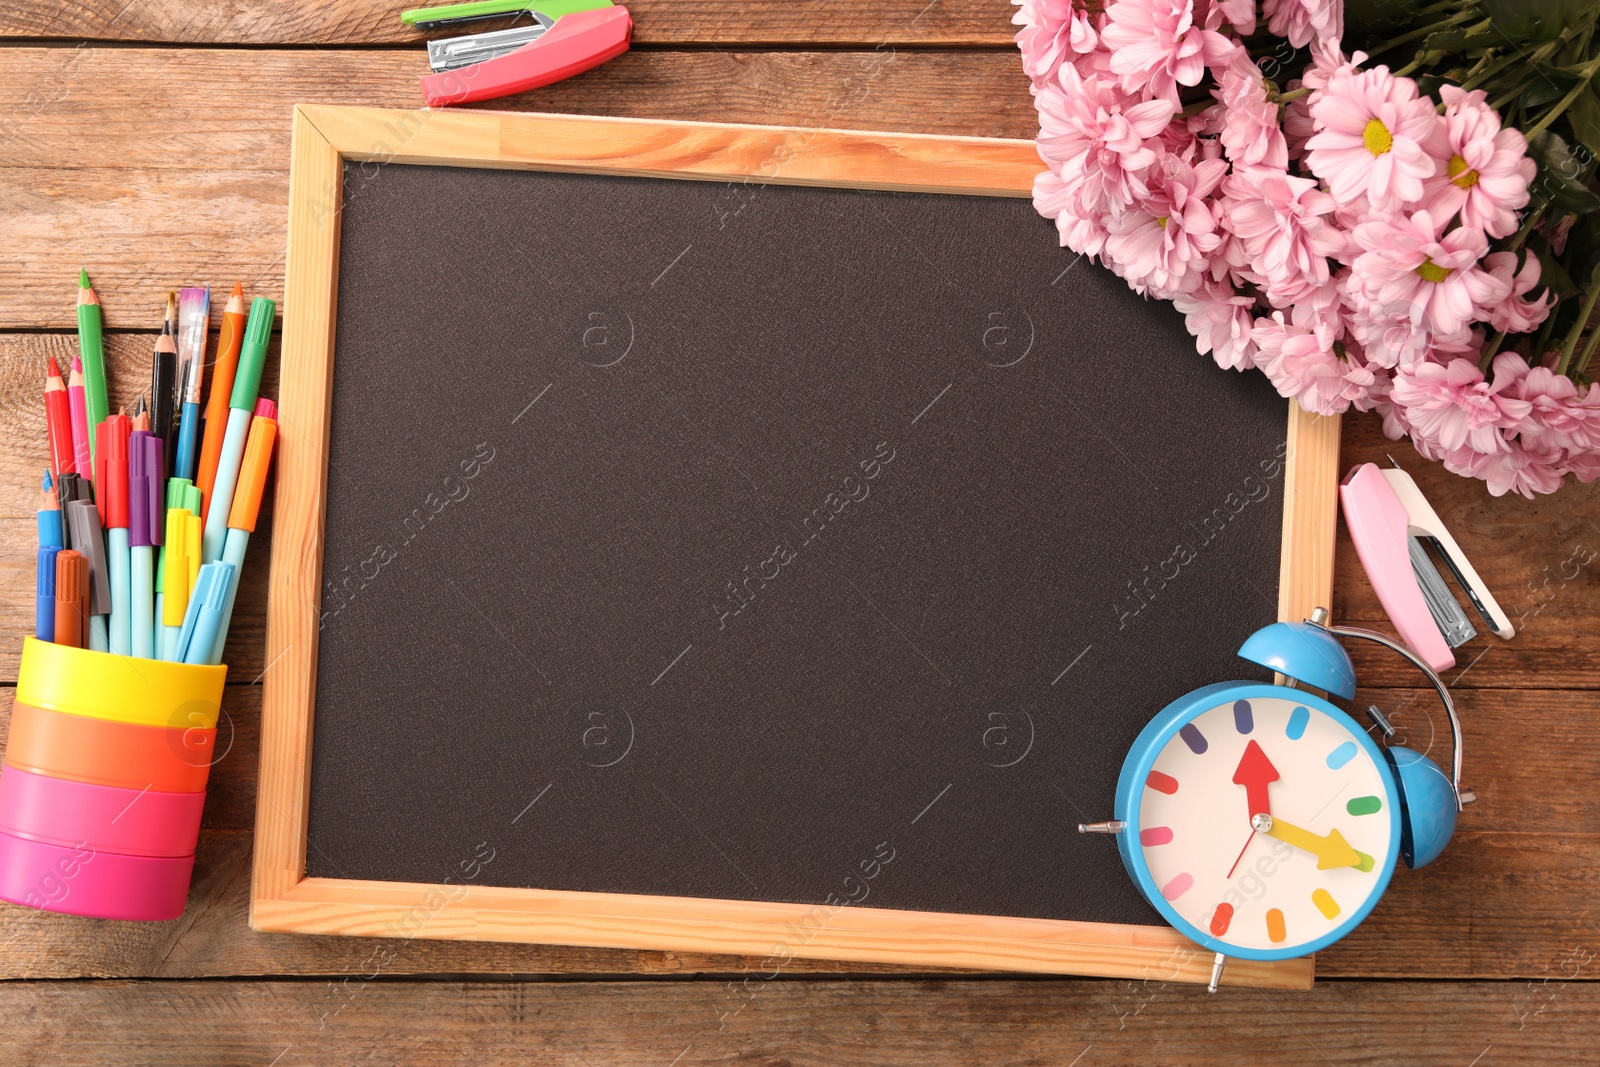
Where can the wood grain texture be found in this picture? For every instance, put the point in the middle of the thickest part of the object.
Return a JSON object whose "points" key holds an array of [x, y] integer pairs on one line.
{"points": [[1529, 552], [1510, 897], [219, 213], [1310, 514], [773, 1021], [706, 23]]}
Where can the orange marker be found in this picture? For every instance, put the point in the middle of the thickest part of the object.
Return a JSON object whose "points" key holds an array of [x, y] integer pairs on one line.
{"points": [[72, 597], [233, 323], [246, 507]]}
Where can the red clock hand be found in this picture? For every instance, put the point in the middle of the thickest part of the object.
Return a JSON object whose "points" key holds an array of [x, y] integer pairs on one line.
{"points": [[1255, 772]]}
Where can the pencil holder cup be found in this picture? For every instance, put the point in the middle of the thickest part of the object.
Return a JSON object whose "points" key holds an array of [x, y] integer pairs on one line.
{"points": [[104, 781]]}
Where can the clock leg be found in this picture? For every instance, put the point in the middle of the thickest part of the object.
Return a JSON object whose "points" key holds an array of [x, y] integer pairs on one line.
{"points": [[1216, 972], [1112, 826]]}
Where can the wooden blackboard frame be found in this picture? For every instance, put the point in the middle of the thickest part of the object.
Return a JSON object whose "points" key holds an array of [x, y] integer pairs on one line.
{"points": [[283, 899]]}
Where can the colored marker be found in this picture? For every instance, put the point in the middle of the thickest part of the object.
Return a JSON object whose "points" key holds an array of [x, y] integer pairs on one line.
{"points": [[112, 460], [83, 525], [246, 384], [72, 597], [246, 507], [91, 347], [194, 319], [144, 449], [58, 419], [50, 532], [164, 385], [78, 412], [210, 596], [44, 589], [233, 323]]}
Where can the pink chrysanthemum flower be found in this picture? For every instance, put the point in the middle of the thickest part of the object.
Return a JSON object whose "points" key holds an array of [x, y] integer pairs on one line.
{"points": [[1305, 363], [1284, 240], [1304, 21], [1220, 320], [1558, 419], [1054, 200], [1100, 150], [1240, 14], [1405, 268], [1521, 468], [1449, 406], [1156, 45], [1373, 133], [1514, 314], [1052, 33], [1297, 124], [1485, 169], [1164, 245], [1250, 131]]}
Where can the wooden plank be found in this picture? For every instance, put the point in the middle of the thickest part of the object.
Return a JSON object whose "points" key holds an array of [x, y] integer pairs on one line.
{"points": [[329, 23], [1556, 737], [86, 147], [1497, 905], [1513, 542], [803, 1024]]}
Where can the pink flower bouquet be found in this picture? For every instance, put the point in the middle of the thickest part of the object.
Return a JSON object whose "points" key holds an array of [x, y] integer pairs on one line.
{"points": [[1422, 242]]}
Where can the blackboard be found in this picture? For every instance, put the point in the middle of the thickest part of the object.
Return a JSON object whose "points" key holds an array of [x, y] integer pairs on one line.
{"points": [[759, 542]]}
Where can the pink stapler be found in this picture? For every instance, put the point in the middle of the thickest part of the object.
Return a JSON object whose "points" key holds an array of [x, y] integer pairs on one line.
{"points": [[1389, 519], [563, 38]]}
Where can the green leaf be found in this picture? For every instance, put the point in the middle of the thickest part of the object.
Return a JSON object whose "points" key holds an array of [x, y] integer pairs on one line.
{"points": [[1536, 20], [1562, 178], [1553, 274], [1542, 92], [1584, 114]]}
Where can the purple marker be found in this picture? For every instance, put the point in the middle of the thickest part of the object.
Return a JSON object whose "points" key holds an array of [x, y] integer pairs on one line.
{"points": [[144, 459]]}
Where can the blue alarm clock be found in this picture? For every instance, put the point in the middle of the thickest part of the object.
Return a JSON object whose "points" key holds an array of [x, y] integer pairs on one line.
{"points": [[1261, 820]]}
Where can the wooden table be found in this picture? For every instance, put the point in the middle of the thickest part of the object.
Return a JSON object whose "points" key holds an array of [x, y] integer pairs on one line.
{"points": [[149, 140]]}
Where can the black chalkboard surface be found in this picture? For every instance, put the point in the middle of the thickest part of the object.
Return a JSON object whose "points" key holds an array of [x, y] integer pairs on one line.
{"points": [[762, 543]]}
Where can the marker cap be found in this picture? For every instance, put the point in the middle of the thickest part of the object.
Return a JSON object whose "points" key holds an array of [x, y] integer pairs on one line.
{"points": [[253, 356], [253, 470]]}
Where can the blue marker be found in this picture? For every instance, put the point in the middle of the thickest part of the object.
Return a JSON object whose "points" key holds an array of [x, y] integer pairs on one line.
{"points": [[212, 600], [44, 588], [194, 322]]}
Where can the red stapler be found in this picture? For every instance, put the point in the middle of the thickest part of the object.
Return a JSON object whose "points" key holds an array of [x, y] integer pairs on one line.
{"points": [[566, 37]]}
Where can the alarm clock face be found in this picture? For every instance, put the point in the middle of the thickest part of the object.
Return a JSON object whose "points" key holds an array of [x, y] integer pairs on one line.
{"points": [[1266, 823]]}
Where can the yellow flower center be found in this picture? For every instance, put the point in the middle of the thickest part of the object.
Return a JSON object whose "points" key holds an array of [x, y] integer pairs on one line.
{"points": [[1461, 175], [1377, 137], [1432, 272], [1161, 220]]}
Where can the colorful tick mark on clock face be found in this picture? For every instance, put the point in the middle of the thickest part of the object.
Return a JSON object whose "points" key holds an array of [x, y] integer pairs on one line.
{"points": [[1295, 764]]}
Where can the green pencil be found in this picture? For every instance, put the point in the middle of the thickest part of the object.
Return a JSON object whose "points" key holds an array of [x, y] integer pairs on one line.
{"points": [[91, 346]]}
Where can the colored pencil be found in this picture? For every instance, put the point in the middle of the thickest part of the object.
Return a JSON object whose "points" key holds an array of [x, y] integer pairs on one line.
{"points": [[50, 527], [91, 348], [233, 325], [164, 385], [78, 408], [58, 421]]}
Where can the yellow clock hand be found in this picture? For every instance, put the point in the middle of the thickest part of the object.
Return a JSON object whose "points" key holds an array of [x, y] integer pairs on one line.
{"points": [[1331, 851]]}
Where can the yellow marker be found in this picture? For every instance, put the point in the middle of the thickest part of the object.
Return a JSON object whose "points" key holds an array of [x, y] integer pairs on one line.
{"points": [[1331, 851], [175, 578], [1325, 903], [191, 537]]}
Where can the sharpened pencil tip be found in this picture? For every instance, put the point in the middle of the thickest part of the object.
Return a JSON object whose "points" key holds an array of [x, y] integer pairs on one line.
{"points": [[47, 483], [83, 278]]}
